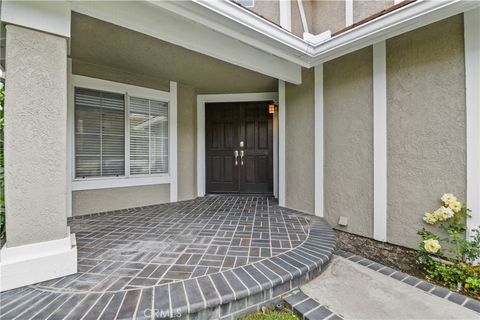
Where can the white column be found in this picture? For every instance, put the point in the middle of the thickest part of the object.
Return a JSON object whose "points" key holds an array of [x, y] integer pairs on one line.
{"points": [[281, 142], [348, 12], [286, 14], [379, 142], [472, 83], [173, 142], [319, 140]]}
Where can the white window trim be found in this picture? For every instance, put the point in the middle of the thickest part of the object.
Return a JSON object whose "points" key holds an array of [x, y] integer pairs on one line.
{"points": [[127, 180]]}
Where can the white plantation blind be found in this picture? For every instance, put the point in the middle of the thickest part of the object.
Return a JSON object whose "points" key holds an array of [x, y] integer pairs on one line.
{"points": [[148, 136], [99, 133]]}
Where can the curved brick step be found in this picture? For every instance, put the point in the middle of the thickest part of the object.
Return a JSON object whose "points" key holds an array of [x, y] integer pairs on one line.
{"points": [[241, 290]]}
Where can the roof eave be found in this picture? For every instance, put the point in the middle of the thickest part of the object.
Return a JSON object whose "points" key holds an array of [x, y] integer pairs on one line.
{"points": [[248, 27]]}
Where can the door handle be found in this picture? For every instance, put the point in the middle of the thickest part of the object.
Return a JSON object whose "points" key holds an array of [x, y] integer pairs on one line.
{"points": [[235, 153], [241, 157]]}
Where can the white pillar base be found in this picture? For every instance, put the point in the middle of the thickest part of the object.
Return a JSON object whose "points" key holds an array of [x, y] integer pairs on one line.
{"points": [[37, 262]]}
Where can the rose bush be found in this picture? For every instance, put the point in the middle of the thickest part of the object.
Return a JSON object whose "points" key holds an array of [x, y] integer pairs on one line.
{"points": [[451, 258]]}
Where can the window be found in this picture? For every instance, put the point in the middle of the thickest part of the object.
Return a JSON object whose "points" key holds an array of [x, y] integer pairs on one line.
{"points": [[148, 136], [99, 134], [102, 146]]}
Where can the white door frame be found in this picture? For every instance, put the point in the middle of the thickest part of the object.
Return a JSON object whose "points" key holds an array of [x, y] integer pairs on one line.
{"points": [[235, 97]]}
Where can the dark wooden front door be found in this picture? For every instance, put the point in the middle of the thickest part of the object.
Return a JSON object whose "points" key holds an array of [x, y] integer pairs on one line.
{"points": [[239, 147]]}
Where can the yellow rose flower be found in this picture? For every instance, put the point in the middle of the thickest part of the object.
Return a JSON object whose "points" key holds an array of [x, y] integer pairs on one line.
{"points": [[443, 213], [430, 218], [448, 198], [440, 214], [455, 206], [432, 245]]}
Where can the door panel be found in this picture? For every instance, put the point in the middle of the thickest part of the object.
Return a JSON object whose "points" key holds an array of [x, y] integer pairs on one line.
{"points": [[221, 135], [227, 125], [256, 175]]}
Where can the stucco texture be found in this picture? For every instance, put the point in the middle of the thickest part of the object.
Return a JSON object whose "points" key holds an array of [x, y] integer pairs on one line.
{"points": [[426, 124], [299, 144], [35, 136], [269, 9], [348, 139], [101, 200], [327, 15], [364, 8]]}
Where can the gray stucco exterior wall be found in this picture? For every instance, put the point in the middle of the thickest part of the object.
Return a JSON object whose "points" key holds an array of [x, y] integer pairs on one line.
{"points": [[299, 141], [327, 15], [101, 200], [270, 10], [426, 124], [364, 8], [348, 138], [35, 136]]}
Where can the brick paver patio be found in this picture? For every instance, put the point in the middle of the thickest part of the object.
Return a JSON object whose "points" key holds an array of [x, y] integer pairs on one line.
{"points": [[194, 254]]}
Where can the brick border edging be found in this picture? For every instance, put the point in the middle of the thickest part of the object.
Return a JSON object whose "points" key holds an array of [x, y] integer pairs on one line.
{"points": [[238, 291], [275, 276], [308, 308], [427, 287]]}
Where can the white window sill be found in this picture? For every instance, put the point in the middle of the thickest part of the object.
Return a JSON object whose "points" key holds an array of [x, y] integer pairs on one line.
{"points": [[78, 185]]}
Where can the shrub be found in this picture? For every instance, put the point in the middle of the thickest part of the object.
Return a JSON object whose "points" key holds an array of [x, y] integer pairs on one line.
{"points": [[450, 258]]}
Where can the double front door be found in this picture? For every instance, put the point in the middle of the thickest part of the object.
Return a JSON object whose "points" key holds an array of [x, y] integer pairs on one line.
{"points": [[239, 147]]}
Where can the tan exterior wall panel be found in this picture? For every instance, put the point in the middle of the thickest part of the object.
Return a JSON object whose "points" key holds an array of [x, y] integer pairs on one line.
{"points": [[297, 25], [35, 136], [299, 141], [101, 200], [327, 15], [269, 9], [364, 8], [104, 72], [348, 130], [426, 124]]}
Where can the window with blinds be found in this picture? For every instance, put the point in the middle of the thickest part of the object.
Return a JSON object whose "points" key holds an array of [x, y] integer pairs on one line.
{"points": [[148, 125], [99, 133]]}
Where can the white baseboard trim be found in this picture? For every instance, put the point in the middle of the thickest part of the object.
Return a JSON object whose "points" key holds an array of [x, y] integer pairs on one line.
{"points": [[37, 262]]}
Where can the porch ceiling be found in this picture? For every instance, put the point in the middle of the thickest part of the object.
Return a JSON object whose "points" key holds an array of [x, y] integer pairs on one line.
{"points": [[100, 43]]}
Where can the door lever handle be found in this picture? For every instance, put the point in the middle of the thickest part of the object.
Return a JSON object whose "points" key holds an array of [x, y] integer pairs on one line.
{"points": [[235, 153], [241, 157]]}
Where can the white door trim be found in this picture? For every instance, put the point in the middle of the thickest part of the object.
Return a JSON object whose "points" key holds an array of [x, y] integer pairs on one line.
{"points": [[173, 142], [281, 143], [379, 142], [206, 98], [472, 84]]}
